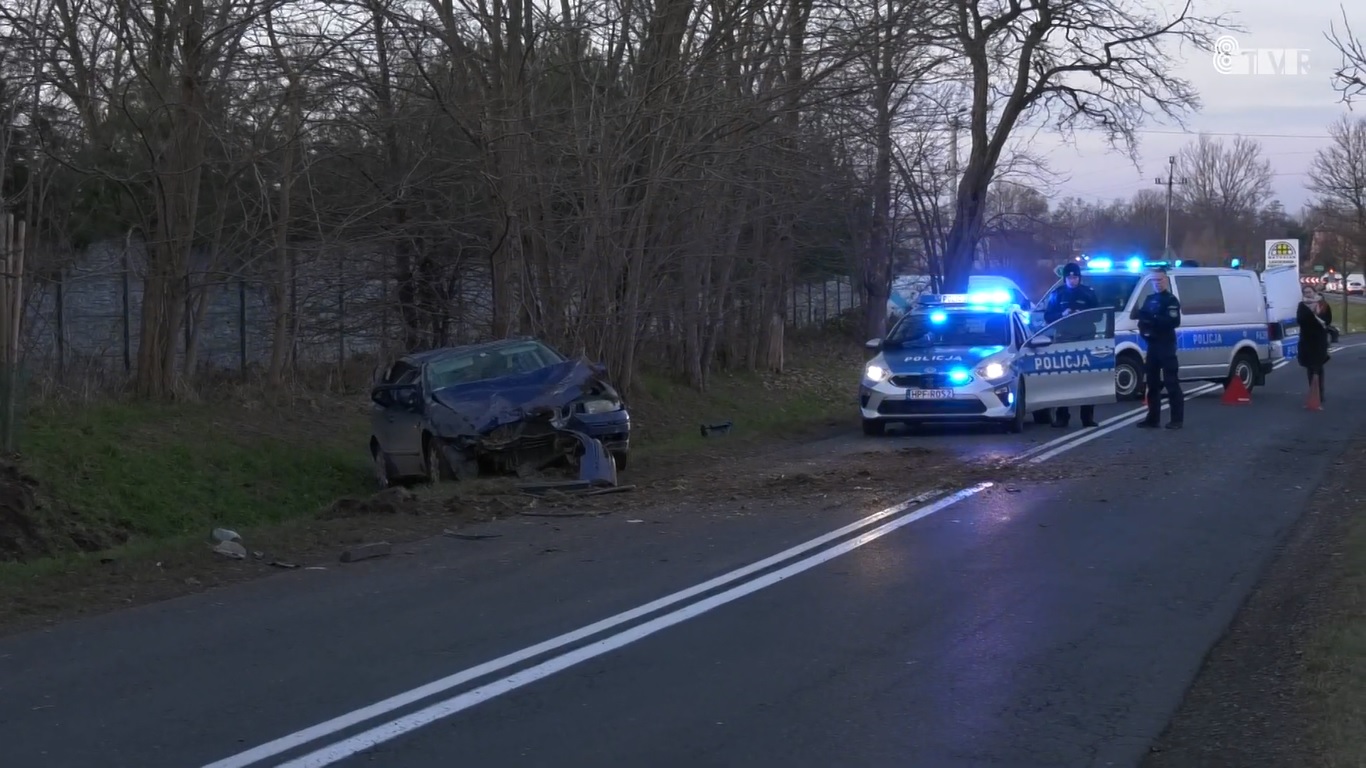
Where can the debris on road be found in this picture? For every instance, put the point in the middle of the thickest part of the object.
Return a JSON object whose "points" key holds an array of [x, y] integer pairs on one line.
{"points": [[470, 536], [223, 534], [719, 428], [367, 551], [390, 501], [231, 549]]}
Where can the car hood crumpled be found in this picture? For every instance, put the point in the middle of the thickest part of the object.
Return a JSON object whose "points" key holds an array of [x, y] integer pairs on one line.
{"points": [[491, 403]]}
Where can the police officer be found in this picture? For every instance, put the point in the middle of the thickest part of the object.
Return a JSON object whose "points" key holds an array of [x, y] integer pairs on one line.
{"points": [[1069, 298], [1158, 319]]}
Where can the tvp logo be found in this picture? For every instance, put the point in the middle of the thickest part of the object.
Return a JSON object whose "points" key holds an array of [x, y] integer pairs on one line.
{"points": [[1232, 59]]}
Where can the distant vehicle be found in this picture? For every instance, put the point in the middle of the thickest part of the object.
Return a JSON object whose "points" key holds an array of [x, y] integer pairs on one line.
{"points": [[1228, 328], [501, 406], [1356, 285], [963, 358]]}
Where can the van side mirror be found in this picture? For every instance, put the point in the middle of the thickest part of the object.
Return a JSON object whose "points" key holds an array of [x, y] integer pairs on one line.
{"points": [[873, 344], [1039, 341]]}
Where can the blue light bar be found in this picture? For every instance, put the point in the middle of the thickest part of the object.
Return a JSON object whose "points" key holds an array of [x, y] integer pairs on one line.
{"points": [[959, 376], [990, 297], [1100, 263], [1134, 264], [938, 317]]}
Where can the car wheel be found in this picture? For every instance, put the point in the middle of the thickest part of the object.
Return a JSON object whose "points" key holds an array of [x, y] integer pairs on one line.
{"points": [[380, 462], [1244, 368], [1017, 422], [874, 427], [433, 463], [1128, 377]]}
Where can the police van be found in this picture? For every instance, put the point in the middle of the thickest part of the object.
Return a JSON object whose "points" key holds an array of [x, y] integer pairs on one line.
{"points": [[1229, 325], [972, 358]]}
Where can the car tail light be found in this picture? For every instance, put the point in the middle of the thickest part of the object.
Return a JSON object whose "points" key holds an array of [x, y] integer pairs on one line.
{"points": [[1275, 331]]}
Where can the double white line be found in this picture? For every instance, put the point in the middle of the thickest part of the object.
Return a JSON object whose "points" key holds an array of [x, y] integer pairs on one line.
{"points": [[754, 579]]}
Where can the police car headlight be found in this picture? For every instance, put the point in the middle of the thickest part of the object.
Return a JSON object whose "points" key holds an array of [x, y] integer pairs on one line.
{"points": [[992, 371], [876, 373]]}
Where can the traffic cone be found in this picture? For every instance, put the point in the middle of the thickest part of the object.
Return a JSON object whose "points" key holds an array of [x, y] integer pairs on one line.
{"points": [[1312, 402], [1235, 393]]}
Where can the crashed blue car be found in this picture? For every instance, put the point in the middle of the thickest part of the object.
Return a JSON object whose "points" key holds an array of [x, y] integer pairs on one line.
{"points": [[503, 406]]}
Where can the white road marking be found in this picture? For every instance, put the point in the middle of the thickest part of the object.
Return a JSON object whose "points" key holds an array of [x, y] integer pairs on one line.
{"points": [[350, 746], [1047, 450], [410, 722], [378, 709]]}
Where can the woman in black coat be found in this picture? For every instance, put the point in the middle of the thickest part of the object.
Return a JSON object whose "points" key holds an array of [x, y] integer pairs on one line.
{"points": [[1313, 352]]}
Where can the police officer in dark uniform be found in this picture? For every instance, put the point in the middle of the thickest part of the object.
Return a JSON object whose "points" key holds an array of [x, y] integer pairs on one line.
{"points": [[1158, 319], [1069, 298]]}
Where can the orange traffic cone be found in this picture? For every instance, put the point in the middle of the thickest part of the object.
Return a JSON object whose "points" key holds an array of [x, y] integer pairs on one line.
{"points": [[1312, 402], [1235, 393]]}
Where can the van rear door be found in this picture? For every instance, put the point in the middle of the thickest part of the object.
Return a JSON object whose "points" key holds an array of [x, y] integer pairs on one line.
{"points": [[1281, 285]]}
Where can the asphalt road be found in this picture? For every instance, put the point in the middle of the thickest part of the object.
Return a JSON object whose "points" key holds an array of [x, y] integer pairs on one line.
{"points": [[1049, 623]]}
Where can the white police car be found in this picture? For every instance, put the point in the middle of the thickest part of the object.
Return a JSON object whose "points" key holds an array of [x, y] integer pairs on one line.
{"points": [[972, 358]]}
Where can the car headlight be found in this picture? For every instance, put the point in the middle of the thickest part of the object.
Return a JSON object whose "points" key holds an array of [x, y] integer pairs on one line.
{"points": [[992, 371], [876, 373], [599, 406]]}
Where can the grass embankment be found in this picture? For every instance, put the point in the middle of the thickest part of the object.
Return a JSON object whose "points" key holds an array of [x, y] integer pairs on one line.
{"points": [[118, 480], [1355, 321], [1335, 655]]}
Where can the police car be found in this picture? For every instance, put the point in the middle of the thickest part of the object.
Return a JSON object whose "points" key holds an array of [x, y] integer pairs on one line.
{"points": [[972, 358], [1230, 326]]}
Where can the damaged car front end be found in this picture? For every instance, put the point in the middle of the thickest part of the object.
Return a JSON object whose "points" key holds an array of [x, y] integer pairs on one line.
{"points": [[515, 406]]}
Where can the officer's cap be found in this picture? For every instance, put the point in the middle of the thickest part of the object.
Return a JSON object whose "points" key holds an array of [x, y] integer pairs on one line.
{"points": [[1071, 269]]}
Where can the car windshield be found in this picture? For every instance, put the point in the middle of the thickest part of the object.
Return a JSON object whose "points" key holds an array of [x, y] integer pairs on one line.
{"points": [[941, 328], [1112, 290], [467, 367]]}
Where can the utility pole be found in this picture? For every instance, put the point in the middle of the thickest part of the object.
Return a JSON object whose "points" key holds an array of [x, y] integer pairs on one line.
{"points": [[955, 124], [1169, 182]]}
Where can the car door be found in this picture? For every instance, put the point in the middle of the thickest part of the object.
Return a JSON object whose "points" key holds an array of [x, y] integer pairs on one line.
{"points": [[399, 429], [1071, 361]]}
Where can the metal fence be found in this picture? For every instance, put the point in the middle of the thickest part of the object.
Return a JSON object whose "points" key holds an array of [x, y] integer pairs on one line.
{"points": [[815, 304], [86, 320]]}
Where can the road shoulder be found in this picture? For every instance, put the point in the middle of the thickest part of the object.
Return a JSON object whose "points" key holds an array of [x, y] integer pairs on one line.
{"points": [[1277, 689]]}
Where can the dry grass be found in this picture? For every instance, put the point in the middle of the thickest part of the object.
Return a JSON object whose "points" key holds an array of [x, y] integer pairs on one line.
{"points": [[153, 480], [1335, 656]]}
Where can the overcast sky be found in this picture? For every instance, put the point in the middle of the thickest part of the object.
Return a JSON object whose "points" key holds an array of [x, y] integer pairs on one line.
{"points": [[1288, 114]]}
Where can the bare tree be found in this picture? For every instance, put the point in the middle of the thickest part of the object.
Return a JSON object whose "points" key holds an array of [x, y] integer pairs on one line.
{"points": [[1349, 79], [1225, 189], [1098, 63], [1337, 176]]}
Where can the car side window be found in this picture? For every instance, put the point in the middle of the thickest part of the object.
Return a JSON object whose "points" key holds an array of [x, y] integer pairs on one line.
{"points": [[401, 373], [1200, 295], [1144, 292], [1087, 326]]}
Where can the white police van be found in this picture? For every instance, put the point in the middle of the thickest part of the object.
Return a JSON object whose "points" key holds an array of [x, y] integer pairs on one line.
{"points": [[1228, 326], [973, 358]]}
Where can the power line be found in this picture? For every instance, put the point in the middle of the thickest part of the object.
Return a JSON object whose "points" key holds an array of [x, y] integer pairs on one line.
{"points": [[1237, 135]]}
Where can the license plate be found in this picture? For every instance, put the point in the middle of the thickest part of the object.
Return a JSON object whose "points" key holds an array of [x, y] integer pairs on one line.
{"points": [[929, 394]]}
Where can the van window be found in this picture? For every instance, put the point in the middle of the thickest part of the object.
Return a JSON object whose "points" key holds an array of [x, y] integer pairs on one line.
{"points": [[1242, 293], [1200, 294]]}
